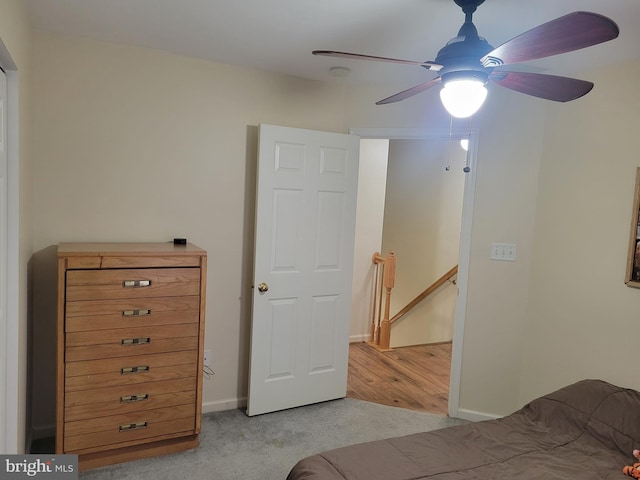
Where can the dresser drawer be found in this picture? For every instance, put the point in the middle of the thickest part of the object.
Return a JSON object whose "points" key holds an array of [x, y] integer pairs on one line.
{"points": [[82, 262], [118, 429], [131, 283], [107, 314], [125, 342], [111, 372], [102, 402], [110, 394]]}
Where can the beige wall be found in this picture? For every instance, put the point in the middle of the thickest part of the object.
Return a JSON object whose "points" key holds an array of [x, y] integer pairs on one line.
{"points": [[582, 321], [15, 34], [509, 151], [139, 145], [422, 218], [135, 144]]}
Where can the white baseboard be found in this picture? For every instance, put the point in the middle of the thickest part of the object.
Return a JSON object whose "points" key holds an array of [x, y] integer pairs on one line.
{"points": [[222, 405], [235, 403], [359, 338], [474, 416]]}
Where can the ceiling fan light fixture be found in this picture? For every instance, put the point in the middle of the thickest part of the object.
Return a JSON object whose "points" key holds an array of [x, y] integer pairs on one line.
{"points": [[463, 97], [467, 62]]}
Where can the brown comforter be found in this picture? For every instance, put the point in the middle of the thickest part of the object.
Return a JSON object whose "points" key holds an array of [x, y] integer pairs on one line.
{"points": [[584, 431]]}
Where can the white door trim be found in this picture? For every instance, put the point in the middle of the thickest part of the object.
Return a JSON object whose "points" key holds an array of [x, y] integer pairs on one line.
{"points": [[11, 388], [465, 234]]}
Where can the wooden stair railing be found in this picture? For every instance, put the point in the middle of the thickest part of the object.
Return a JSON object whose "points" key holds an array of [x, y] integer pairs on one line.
{"points": [[385, 273], [428, 291]]}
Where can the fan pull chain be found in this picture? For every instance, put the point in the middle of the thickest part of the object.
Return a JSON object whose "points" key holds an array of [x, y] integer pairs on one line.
{"points": [[447, 167], [467, 168]]}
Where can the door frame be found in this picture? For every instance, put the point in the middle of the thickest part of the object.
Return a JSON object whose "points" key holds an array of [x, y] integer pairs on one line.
{"points": [[12, 388], [465, 233]]}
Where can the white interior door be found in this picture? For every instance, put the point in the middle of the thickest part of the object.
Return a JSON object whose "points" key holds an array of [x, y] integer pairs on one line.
{"points": [[305, 227]]}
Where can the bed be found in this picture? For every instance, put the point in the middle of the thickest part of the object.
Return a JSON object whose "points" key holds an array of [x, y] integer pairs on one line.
{"points": [[587, 430]]}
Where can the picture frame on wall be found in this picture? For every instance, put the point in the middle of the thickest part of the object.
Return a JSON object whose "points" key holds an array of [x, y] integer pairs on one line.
{"points": [[632, 278]]}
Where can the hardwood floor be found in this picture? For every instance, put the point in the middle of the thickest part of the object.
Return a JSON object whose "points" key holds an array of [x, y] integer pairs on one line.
{"points": [[415, 377]]}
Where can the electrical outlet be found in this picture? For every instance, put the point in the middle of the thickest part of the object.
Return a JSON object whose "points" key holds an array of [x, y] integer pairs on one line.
{"points": [[207, 358]]}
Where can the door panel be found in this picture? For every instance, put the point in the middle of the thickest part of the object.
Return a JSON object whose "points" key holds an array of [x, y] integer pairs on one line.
{"points": [[287, 219], [305, 225]]}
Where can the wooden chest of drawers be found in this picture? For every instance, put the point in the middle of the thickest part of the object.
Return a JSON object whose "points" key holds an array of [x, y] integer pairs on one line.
{"points": [[130, 349]]}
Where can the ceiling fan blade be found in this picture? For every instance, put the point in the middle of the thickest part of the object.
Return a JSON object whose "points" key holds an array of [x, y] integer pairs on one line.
{"points": [[549, 87], [330, 53], [409, 92], [564, 34]]}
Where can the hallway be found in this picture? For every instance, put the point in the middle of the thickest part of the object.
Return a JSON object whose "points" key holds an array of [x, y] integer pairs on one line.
{"points": [[415, 377]]}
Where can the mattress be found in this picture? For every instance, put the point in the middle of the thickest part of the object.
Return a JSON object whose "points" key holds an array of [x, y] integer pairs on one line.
{"points": [[586, 430]]}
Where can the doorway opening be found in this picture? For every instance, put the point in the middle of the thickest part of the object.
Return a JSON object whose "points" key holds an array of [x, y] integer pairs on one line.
{"points": [[434, 150]]}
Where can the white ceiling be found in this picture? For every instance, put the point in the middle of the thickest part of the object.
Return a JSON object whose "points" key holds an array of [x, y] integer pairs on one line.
{"points": [[279, 35]]}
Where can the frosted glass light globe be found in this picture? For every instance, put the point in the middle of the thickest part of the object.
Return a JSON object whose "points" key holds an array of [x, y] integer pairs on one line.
{"points": [[463, 98]]}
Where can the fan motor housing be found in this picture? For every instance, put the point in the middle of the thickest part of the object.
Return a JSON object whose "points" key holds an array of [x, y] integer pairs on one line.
{"points": [[462, 54]]}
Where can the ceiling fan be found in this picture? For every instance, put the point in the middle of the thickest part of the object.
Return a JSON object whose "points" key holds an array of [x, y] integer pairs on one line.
{"points": [[467, 62]]}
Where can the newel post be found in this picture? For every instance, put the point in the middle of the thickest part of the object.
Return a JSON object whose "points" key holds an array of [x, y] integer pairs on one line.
{"points": [[388, 281]]}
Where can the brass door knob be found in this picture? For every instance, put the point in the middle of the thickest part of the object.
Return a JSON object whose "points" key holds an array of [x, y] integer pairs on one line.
{"points": [[263, 287]]}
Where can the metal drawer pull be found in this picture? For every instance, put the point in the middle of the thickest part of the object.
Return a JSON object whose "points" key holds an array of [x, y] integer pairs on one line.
{"points": [[140, 369], [136, 283], [132, 426], [136, 313], [134, 398], [136, 341]]}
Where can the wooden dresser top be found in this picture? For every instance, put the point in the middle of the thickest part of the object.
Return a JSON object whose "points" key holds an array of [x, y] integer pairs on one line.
{"points": [[67, 249]]}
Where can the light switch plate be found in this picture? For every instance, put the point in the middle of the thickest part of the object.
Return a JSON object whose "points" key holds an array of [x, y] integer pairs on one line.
{"points": [[503, 251]]}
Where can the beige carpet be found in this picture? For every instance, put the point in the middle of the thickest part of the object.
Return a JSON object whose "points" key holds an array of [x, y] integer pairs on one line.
{"points": [[237, 447]]}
